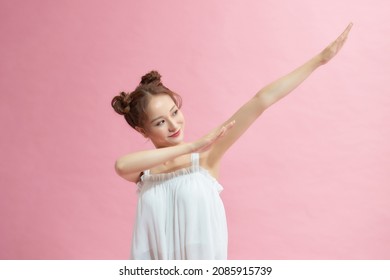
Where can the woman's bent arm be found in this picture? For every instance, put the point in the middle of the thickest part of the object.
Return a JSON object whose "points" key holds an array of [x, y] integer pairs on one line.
{"points": [[131, 165]]}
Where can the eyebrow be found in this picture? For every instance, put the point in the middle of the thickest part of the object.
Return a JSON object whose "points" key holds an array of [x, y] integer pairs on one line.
{"points": [[161, 116]]}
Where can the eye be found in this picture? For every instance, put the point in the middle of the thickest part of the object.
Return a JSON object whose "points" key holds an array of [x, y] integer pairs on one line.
{"points": [[160, 123], [175, 112]]}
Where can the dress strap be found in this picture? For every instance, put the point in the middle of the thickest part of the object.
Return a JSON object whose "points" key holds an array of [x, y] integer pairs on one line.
{"points": [[195, 160]]}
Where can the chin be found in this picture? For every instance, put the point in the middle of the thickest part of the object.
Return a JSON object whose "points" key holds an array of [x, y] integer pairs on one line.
{"points": [[176, 141]]}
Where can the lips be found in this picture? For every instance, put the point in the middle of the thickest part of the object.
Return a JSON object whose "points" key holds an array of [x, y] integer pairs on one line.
{"points": [[176, 134]]}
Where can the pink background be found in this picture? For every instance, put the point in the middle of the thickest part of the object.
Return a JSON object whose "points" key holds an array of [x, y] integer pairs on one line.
{"points": [[309, 180]]}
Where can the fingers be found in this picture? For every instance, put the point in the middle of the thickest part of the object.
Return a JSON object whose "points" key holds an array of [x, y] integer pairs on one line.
{"points": [[225, 128], [345, 33], [342, 38], [228, 126], [231, 124], [210, 139]]}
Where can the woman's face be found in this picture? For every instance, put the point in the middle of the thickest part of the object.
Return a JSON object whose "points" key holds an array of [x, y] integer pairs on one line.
{"points": [[165, 123]]}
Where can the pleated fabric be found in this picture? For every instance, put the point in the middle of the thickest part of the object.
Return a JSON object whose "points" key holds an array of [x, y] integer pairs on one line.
{"points": [[180, 216]]}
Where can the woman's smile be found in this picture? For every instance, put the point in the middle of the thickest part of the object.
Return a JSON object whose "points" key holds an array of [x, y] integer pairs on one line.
{"points": [[176, 134]]}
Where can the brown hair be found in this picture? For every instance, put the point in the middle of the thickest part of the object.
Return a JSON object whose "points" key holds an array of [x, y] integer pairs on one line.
{"points": [[133, 105]]}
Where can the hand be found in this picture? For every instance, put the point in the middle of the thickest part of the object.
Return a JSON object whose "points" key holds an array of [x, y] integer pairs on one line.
{"points": [[330, 51], [207, 141]]}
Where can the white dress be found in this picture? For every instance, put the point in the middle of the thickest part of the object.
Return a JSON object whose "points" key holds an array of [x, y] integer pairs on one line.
{"points": [[180, 216]]}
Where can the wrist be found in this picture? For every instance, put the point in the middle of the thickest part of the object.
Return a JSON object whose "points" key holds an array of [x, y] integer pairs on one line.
{"points": [[191, 147], [317, 61]]}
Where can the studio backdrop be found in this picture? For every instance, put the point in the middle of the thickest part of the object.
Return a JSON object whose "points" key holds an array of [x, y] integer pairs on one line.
{"points": [[309, 180]]}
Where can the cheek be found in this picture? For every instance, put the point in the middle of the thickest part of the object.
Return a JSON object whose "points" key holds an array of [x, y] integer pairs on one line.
{"points": [[157, 132], [181, 118]]}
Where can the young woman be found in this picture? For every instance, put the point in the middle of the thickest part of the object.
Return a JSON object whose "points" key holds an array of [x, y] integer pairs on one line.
{"points": [[180, 214]]}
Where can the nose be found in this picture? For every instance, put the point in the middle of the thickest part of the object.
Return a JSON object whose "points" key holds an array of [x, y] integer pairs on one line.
{"points": [[172, 125]]}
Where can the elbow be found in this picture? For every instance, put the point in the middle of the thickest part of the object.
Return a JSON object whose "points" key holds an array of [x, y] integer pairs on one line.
{"points": [[119, 168], [263, 101]]}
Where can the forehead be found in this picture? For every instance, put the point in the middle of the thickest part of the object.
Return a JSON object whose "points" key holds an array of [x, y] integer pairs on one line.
{"points": [[159, 105]]}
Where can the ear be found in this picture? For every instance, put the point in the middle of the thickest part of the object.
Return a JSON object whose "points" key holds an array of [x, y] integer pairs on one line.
{"points": [[142, 131]]}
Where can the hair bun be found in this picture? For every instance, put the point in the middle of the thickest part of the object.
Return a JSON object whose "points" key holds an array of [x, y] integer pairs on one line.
{"points": [[151, 77], [121, 103]]}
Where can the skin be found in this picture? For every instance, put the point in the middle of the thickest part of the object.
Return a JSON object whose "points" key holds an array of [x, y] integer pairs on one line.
{"points": [[172, 153], [164, 119]]}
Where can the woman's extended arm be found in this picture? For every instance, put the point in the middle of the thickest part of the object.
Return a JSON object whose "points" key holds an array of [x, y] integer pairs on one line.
{"points": [[129, 166], [281, 87], [270, 94]]}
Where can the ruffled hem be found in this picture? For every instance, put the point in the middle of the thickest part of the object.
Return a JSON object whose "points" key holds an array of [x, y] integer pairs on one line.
{"points": [[160, 177]]}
